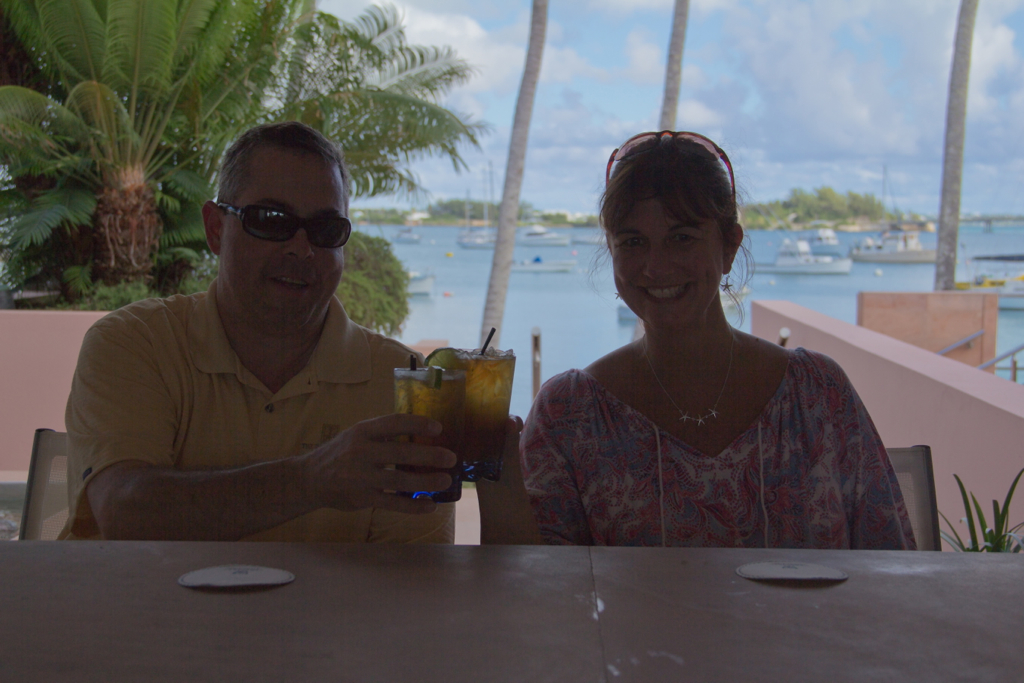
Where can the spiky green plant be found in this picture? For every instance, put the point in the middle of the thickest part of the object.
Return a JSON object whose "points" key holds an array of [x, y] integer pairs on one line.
{"points": [[997, 538]]}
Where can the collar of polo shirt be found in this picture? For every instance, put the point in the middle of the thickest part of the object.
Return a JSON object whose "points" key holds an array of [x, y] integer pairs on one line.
{"points": [[342, 355]]}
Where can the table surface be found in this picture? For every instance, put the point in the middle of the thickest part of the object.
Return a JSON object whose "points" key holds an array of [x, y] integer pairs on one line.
{"points": [[100, 611]]}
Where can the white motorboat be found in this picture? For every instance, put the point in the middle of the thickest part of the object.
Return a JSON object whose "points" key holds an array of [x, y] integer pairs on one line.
{"points": [[477, 238], [538, 265], [893, 246], [796, 258], [406, 236], [591, 236], [1009, 289], [421, 284], [1011, 296], [539, 236], [824, 242]]}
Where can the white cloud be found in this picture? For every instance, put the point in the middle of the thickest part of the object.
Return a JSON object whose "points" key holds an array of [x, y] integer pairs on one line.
{"points": [[565, 65], [646, 59], [695, 115]]}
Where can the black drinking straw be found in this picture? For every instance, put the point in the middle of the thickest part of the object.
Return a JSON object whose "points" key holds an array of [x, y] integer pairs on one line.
{"points": [[487, 343], [412, 362]]}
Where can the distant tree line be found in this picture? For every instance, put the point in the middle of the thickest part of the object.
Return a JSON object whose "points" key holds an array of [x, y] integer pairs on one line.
{"points": [[454, 211], [823, 204]]}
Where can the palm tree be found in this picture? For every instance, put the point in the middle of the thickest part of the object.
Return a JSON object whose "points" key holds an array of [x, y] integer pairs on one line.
{"points": [[157, 89], [125, 66], [674, 67], [953, 155], [366, 88], [508, 212]]}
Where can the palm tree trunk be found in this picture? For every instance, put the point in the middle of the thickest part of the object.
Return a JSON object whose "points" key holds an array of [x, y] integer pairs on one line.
{"points": [[501, 266], [128, 230], [674, 67], [953, 156]]}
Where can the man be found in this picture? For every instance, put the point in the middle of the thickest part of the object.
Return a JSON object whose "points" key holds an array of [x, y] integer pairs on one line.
{"points": [[254, 410]]}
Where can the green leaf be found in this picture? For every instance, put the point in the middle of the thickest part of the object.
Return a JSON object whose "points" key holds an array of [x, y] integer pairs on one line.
{"points": [[189, 185], [78, 279], [62, 205], [970, 515], [1009, 497], [982, 524], [954, 540], [76, 33]]}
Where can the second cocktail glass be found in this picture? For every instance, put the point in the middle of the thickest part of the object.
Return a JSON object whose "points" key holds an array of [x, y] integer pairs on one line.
{"points": [[488, 395]]}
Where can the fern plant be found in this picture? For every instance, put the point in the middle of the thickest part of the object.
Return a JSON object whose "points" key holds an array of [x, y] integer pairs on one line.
{"points": [[997, 538]]}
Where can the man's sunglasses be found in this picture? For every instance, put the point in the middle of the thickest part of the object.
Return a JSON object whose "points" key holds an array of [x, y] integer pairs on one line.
{"points": [[647, 141], [277, 225]]}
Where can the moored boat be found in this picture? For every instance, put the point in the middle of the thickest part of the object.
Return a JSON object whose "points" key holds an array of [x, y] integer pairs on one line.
{"points": [[477, 238], [406, 236], [795, 258], [1010, 290], [421, 284], [539, 236], [538, 265], [893, 246], [825, 243]]}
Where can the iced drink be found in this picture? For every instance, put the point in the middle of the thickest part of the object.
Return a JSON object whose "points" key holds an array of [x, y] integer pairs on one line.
{"points": [[439, 395], [488, 394]]}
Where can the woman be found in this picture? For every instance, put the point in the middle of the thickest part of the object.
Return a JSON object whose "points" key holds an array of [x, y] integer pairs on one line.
{"points": [[698, 434]]}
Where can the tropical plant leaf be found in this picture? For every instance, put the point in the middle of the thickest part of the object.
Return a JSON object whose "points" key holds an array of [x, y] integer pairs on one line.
{"points": [[187, 229], [141, 46], [62, 205], [188, 184], [970, 515], [954, 540], [78, 279], [75, 32]]}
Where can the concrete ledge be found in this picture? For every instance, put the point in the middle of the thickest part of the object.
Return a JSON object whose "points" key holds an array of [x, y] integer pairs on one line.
{"points": [[973, 421]]}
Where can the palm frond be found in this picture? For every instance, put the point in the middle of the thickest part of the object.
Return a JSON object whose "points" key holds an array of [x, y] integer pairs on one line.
{"points": [[61, 205], [78, 279], [76, 36], [141, 44], [188, 184], [186, 229], [421, 71], [29, 118]]}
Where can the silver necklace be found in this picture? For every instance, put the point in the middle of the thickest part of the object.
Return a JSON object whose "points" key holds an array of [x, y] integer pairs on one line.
{"points": [[683, 416]]}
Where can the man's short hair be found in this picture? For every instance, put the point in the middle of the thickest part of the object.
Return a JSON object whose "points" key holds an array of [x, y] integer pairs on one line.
{"points": [[290, 135]]}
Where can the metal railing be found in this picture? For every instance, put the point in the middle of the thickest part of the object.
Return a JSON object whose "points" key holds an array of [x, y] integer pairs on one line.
{"points": [[963, 342], [1012, 367]]}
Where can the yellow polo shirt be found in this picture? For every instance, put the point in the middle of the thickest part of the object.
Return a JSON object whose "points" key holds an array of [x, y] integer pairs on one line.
{"points": [[157, 381]]}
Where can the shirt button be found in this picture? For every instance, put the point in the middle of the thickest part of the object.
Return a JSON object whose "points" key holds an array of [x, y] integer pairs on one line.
{"points": [[269, 408]]}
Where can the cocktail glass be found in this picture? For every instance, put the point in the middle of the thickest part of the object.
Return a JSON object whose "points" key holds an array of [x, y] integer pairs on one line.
{"points": [[488, 395], [440, 395]]}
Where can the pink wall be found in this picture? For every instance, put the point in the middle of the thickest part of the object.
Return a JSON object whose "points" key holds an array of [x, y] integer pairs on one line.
{"points": [[935, 320], [38, 353], [973, 421]]}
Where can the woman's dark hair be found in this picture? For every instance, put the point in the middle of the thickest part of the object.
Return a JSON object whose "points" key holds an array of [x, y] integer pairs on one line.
{"points": [[689, 181]]}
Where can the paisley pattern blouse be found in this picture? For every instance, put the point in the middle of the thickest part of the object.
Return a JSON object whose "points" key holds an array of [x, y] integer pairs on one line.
{"points": [[591, 467]]}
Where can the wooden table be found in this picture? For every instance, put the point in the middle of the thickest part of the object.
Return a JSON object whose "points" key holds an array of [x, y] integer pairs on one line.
{"points": [[90, 611]]}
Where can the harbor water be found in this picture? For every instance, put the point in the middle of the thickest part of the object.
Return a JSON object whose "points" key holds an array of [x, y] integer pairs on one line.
{"points": [[577, 311]]}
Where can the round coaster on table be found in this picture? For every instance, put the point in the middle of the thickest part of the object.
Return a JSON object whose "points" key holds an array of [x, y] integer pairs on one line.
{"points": [[235, 576], [790, 571]]}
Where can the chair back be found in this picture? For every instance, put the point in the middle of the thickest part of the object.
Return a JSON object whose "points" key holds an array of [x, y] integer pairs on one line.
{"points": [[917, 482], [46, 494]]}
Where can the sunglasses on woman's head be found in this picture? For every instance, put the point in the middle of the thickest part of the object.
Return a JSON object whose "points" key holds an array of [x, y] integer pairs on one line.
{"points": [[277, 225], [644, 142]]}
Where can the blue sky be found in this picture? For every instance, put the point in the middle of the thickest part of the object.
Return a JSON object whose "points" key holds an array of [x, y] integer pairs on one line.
{"points": [[800, 93]]}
